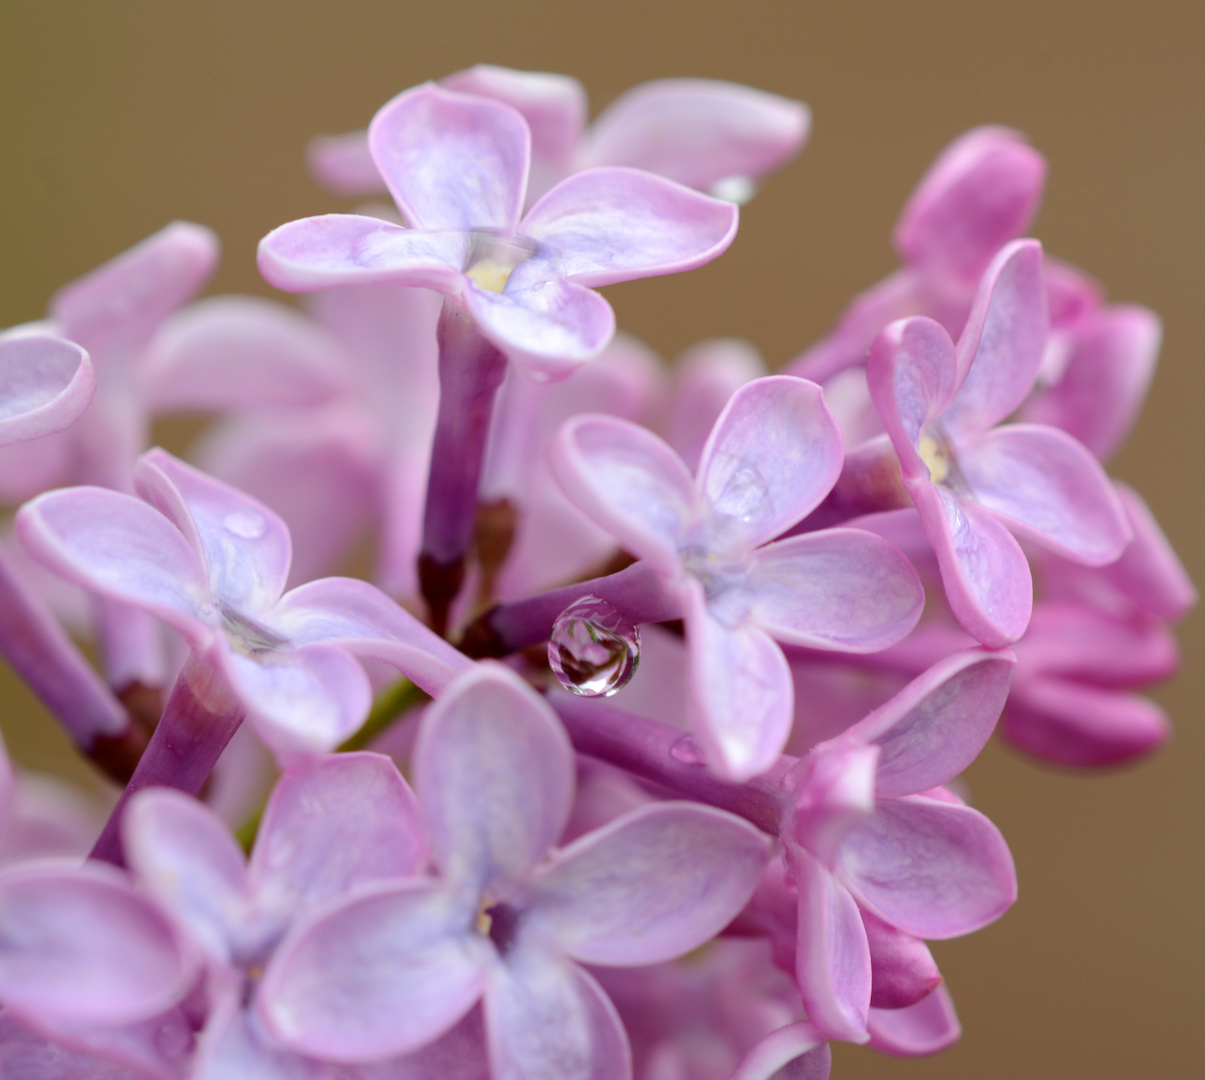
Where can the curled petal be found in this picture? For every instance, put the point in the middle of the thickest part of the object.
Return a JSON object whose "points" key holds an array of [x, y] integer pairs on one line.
{"points": [[607, 225], [774, 453], [1048, 488], [651, 886], [841, 589], [932, 868], [493, 769], [452, 161], [795, 1052], [924, 1028], [698, 131], [45, 385], [902, 968]]}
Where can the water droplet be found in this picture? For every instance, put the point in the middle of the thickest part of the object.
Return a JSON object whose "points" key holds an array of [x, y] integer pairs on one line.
{"points": [[593, 650], [687, 751], [735, 189], [248, 524]]}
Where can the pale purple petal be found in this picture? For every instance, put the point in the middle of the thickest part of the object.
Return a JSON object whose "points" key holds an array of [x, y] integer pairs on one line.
{"points": [[186, 857], [117, 545], [493, 769], [607, 225], [932, 868], [45, 385], [841, 589], [924, 1028], [935, 727], [344, 164], [795, 1052], [80, 945], [548, 1020], [247, 547], [347, 249], [649, 887], [628, 481], [698, 131], [741, 695], [1048, 488], [381, 974], [1000, 351], [452, 161], [459, 1054], [832, 789], [774, 453], [832, 960], [234, 1045], [231, 352], [115, 309], [982, 191], [332, 824]]}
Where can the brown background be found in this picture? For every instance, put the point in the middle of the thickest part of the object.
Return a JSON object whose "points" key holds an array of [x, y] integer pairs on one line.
{"points": [[116, 117]]}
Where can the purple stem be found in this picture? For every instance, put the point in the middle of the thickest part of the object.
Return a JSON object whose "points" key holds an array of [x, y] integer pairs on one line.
{"points": [[200, 718], [635, 592], [471, 370], [869, 483], [672, 759]]}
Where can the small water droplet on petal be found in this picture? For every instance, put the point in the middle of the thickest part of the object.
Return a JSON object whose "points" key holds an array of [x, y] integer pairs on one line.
{"points": [[593, 650], [687, 751], [247, 524], [735, 189]]}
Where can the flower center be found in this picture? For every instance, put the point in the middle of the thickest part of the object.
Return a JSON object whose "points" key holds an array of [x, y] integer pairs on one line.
{"points": [[493, 258], [248, 637], [935, 453]]}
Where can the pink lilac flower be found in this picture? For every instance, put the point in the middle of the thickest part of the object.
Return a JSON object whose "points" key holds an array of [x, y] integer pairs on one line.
{"points": [[973, 482], [717, 137], [771, 457], [509, 920]]}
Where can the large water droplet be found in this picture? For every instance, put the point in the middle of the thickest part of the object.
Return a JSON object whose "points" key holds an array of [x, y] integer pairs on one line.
{"points": [[593, 650], [687, 751], [249, 524]]}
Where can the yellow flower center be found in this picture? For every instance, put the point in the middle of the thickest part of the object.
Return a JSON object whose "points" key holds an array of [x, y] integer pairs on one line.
{"points": [[936, 457]]}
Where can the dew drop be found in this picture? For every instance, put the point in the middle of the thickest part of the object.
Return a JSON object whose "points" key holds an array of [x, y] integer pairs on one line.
{"points": [[593, 650], [735, 189], [687, 751], [245, 523]]}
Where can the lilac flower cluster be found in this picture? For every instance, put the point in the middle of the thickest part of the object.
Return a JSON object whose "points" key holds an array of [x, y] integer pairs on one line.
{"points": [[839, 577]]}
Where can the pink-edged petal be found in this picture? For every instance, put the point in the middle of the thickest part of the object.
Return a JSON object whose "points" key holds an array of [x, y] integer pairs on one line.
{"points": [[607, 225], [932, 868], [935, 727], [231, 352], [45, 385], [548, 327], [741, 695], [982, 191], [699, 132], [380, 974], [832, 959], [452, 161], [795, 1052], [1000, 351], [343, 164], [1083, 726], [924, 1028], [546, 1019], [1049, 489], [303, 701], [985, 573], [247, 547], [187, 859], [903, 970], [650, 886], [347, 249], [493, 769], [332, 824], [117, 307], [628, 481], [842, 589], [117, 545], [80, 945], [774, 453], [705, 377], [355, 616]]}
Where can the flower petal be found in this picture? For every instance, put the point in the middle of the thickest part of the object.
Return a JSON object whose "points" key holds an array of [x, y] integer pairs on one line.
{"points": [[651, 886], [839, 589], [607, 225], [934, 869], [233, 1044], [45, 385], [452, 161], [493, 769], [343, 164], [774, 453], [795, 1052], [924, 1028]]}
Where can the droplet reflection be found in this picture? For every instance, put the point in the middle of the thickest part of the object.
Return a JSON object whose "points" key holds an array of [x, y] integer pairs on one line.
{"points": [[593, 650]]}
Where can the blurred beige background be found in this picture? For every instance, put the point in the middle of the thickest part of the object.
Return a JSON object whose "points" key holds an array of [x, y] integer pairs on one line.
{"points": [[117, 117]]}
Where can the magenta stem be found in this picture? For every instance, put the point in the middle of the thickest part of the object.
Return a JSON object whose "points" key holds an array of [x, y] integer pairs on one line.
{"points": [[200, 718], [471, 370], [670, 758], [635, 592]]}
